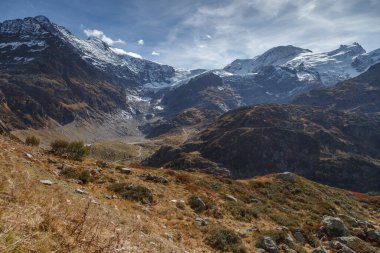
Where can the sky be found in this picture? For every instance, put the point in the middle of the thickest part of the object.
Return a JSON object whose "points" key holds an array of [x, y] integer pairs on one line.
{"points": [[209, 33]]}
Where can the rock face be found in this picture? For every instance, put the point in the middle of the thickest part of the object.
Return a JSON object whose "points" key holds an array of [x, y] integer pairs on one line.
{"points": [[334, 227], [336, 146]]}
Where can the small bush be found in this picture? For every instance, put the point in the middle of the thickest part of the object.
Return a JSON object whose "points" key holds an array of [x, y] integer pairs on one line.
{"points": [[58, 147], [70, 172], [32, 141], [241, 211], [133, 192], [224, 239], [85, 176], [76, 150]]}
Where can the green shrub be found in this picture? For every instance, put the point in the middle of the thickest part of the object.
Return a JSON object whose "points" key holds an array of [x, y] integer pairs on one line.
{"points": [[58, 147], [241, 211], [133, 192], [85, 176], [224, 239], [70, 172], [32, 141], [76, 150]]}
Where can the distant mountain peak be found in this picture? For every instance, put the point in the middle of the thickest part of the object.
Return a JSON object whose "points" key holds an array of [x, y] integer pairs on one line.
{"points": [[42, 19], [351, 49]]}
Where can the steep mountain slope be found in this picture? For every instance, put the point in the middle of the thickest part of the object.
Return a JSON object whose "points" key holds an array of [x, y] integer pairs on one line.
{"points": [[361, 93], [47, 75], [335, 147], [277, 76], [46, 208]]}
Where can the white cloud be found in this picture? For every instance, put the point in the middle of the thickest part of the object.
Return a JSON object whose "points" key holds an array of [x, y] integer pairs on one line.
{"points": [[100, 34], [244, 29], [155, 53], [140, 42], [120, 51]]}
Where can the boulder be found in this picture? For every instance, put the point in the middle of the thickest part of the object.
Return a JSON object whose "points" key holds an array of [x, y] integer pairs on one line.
{"points": [[269, 245], [197, 203], [46, 182], [286, 176], [374, 235], [125, 171], [201, 221], [154, 178], [319, 250], [334, 227], [300, 238], [230, 197]]}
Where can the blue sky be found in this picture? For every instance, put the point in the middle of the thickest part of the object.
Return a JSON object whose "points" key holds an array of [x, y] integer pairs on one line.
{"points": [[210, 33]]}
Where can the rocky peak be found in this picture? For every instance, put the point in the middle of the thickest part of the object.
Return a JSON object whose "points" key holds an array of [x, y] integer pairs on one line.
{"points": [[353, 49]]}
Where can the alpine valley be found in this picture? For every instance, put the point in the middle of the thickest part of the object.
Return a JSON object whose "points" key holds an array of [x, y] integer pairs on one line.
{"points": [[276, 153]]}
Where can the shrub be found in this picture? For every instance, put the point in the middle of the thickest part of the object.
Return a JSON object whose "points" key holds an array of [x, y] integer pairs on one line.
{"points": [[224, 239], [241, 211], [32, 141], [76, 150], [70, 172], [133, 192], [58, 147], [85, 176]]}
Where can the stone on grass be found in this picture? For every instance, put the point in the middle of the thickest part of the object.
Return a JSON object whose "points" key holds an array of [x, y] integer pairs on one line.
{"points": [[46, 182]]}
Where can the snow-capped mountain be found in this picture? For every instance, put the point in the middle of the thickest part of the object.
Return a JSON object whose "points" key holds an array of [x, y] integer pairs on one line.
{"points": [[32, 34], [340, 64], [48, 74]]}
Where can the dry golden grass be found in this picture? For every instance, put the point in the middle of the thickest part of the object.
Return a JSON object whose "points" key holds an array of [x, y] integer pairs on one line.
{"points": [[41, 218]]}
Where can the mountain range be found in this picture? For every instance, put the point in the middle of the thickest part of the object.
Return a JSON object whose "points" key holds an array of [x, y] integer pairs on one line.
{"points": [[325, 119], [57, 78]]}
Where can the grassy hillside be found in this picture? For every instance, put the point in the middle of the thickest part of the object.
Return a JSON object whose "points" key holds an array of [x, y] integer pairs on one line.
{"points": [[94, 206]]}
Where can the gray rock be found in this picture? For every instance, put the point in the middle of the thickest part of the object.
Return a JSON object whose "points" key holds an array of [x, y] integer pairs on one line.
{"points": [[334, 227], [341, 247], [125, 171], [246, 231], [201, 221], [374, 235], [319, 250], [230, 197], [299, 237], [154, 178], [197, 204], [286, 176], [80, 191], [46, 182], [269, 245]]}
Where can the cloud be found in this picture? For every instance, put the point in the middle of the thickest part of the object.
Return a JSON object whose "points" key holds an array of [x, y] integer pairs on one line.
{"points": [[120, 51], [154, 53], [100, 34], [140, 42], [244, 29]]}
